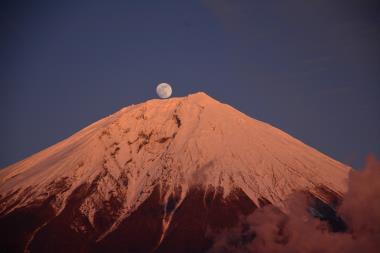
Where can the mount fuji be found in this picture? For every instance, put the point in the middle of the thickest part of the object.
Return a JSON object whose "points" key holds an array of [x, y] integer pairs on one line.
{"points": [[159, 176]]}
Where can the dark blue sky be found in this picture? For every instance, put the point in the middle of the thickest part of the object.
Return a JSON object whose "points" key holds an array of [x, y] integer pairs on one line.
{"points": [[310, 68]]}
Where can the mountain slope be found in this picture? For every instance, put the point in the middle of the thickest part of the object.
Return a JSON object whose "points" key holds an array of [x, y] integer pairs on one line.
{"points": [[144, 170]]}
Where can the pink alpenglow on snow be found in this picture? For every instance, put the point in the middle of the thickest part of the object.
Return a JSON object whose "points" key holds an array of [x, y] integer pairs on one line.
{"points": [[158, 177]]}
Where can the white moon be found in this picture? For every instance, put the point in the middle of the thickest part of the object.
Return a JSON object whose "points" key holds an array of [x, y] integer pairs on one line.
{"points": [[164, 90]]}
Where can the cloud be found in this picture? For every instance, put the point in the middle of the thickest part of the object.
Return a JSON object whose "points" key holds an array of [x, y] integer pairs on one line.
{"points": [[268, 230], [200, 175]]}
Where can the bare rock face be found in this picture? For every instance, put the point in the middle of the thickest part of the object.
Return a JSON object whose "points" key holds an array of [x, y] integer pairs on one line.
{"points": [[160, 176]]}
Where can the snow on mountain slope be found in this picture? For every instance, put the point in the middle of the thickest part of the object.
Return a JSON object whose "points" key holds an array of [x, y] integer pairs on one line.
{"points": [[170, 145]]}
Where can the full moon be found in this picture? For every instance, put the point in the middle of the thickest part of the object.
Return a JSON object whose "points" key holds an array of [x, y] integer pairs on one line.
{"points": [[164, 90]]}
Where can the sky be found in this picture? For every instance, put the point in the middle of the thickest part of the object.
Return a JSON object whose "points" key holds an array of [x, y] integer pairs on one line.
{"points": [[310, 68]]}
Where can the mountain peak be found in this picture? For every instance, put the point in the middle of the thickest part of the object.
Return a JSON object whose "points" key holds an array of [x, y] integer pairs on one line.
{"points": [[200, 98]]}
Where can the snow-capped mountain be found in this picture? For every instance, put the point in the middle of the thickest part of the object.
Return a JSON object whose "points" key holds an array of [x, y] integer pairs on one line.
{"points": [[157, 177]]}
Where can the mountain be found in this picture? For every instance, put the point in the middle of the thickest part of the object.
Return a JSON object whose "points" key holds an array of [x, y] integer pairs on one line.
{"points": [[160, 176]]}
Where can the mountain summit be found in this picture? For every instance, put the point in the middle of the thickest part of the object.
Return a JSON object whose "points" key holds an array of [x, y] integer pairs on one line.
{"points": [[157, 177]]}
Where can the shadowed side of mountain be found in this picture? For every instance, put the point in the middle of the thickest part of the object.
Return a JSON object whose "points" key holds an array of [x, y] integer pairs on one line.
{"points": [[190, 226], [18, 227], [140, 232], [202, 214]]}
